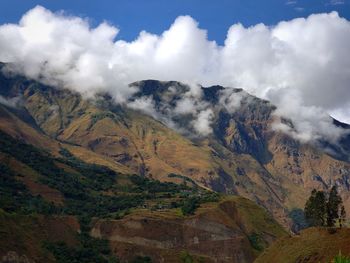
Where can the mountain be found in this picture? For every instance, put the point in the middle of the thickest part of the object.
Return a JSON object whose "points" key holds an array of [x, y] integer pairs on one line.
{"points": [[106, 171], [242, 155]]}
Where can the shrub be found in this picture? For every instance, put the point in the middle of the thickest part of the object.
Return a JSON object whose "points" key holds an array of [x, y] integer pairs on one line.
{"points": [[186, 257], [255, 241]]}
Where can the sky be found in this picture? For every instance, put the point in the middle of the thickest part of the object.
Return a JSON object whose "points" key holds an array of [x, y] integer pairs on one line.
{"points": [[155, 16], [293, 53]]}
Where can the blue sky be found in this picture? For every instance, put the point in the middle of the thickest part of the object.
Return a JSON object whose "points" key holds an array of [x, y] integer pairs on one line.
{"points": [[155, 16]]}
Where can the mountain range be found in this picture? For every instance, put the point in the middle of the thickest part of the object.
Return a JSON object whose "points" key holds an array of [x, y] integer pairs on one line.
{"points": [[240, 155]]}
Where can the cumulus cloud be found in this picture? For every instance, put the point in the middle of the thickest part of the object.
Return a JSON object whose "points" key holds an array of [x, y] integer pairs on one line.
{"points": [[302, 65], [202, 124], [312, 123]]}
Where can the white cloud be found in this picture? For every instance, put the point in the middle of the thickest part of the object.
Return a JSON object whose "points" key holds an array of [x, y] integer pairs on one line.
{"points": [[312, 123], [342, 114], [202, 124], [145, 104], [231, 99], [305, 56]]}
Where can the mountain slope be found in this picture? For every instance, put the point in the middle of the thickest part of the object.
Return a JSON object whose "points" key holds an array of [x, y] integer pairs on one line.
{"points": [[313, 245], [50, 205]]}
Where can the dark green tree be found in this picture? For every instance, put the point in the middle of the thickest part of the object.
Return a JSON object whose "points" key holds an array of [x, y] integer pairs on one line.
{"points": [[342, 217], [189, 206], [333, 207], [315, 208], [325, 210]]}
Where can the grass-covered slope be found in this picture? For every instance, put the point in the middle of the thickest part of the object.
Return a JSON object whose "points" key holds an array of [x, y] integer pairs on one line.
{"points": [[313, 245]]}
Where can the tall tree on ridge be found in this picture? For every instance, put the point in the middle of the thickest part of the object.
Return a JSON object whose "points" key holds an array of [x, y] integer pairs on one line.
{"points": [[333, 206]]}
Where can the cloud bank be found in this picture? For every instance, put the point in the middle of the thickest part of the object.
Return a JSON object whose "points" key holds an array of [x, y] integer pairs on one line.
{"points": [[302, 65]]}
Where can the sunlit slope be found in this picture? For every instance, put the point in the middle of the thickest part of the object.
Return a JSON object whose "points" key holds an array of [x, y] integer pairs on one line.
{"points": [[313, 245]]}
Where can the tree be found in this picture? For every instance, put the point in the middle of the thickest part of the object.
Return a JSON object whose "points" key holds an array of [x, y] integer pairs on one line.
{"points": [[315, 208], [333, 205], [189, 206], [342, 216], [325, 210]]}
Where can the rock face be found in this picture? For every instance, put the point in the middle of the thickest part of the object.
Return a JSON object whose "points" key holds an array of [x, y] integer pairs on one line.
{"points": [[217, 233], [242, 156]]}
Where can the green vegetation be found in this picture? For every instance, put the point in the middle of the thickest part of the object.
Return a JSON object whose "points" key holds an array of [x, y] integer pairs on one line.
{"points": [[340, 259], [143, 184], [15, 197], [256, 241], [186, 257], [333, 207], [85, 189], [189, 206], [325, 209]]}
